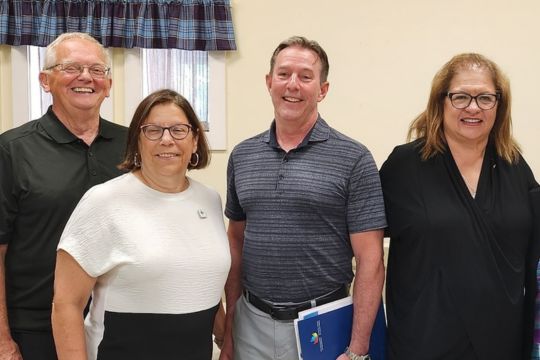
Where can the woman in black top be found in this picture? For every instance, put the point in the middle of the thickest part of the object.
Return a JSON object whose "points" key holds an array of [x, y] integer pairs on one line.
{"points": [[460, 221]]}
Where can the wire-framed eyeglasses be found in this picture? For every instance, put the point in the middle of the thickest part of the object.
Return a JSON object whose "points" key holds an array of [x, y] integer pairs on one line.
{"points": [[97, 71], [155, 132], [462, 100]]}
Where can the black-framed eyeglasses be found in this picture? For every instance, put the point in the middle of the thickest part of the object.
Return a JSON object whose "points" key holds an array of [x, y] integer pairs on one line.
{"points": [[97, 71], [462, 100], [155, 132]]}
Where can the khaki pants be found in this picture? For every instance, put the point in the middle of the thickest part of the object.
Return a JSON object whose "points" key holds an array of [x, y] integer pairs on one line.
{"points": [[258, 336]]}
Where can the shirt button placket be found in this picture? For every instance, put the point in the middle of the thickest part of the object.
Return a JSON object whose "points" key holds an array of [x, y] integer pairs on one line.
{"points": [[281, 173], [92, 164]]}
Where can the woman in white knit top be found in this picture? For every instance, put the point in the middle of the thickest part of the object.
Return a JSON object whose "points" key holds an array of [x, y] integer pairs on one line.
{"points": [[150, 246]]}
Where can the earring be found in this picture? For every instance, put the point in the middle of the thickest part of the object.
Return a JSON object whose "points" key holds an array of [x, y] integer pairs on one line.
{"points": [[136, 160], [193, 164]]}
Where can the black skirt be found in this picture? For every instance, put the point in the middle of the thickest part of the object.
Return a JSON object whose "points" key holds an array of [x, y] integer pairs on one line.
{"points": [[157, 336]]}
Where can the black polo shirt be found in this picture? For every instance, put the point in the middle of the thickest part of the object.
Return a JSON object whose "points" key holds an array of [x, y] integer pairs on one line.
{"points": [[44, 171]]}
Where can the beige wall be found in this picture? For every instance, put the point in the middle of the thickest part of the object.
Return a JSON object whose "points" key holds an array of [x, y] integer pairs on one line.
{"points": [[383, 55]]}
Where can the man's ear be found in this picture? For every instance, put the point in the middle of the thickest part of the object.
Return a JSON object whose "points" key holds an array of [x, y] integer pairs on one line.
{"points": [[108, 92], [44, 81], [324, 90], [268, 79]]}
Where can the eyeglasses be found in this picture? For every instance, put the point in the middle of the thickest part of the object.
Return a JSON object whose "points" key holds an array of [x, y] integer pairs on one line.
{"points": [[155, 132], [463, 100], [97, 71]]}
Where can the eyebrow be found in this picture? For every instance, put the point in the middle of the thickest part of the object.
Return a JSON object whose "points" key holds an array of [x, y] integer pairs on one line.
{"points": [[286, 67]]}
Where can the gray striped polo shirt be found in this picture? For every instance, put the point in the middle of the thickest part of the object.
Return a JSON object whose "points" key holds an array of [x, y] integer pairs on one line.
{"points": [[300, 208]]}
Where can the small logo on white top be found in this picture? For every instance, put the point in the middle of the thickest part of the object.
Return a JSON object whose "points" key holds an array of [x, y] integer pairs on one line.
{"points": [[201, 213]]}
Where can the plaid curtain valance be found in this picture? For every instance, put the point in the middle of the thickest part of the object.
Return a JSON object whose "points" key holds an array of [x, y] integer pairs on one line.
{"points": [[160, 24]]}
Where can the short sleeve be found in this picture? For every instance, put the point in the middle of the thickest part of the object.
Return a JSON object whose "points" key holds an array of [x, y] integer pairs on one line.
{"points": [[233, 209], [90, 236], [365, 204], [8, 200]]}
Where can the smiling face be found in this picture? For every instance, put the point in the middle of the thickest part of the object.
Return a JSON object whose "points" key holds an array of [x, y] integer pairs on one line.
{"points": [[166, 160], [295, 85], [471, 125], [73, 93]]}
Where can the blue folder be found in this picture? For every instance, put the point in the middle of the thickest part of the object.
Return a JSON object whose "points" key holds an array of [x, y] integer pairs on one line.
{"points": [[325, 336]]}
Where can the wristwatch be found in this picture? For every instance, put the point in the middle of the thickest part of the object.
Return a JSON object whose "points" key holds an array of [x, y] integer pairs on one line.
{"points": [[354, 356]]}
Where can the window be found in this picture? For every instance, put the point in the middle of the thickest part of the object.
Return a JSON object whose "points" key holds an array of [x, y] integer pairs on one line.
{"points": [[198, 76], [184, 71]]}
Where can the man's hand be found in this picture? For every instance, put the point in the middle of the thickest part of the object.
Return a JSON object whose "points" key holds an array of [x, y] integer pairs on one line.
{"points": [[9, 350], [219, 326], [227, 349]]}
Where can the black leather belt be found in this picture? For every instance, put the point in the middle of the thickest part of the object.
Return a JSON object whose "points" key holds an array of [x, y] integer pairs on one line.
{"points": [[286, 312]]}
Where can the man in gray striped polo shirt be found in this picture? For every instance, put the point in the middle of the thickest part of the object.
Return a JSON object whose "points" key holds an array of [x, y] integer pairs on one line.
{"points": [[302, 200]]}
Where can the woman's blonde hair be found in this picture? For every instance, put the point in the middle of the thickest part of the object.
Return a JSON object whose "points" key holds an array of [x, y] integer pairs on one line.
{"points": [[429, 124]]}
